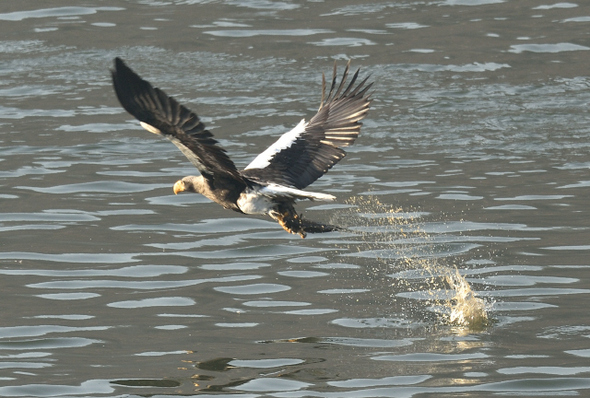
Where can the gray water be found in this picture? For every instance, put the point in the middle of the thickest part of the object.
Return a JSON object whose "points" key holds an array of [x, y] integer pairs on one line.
{"points": [[473, 159]]}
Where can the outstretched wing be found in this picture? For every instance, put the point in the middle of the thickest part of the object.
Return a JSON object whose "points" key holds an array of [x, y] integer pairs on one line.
{"points": [[307, 152], [160, 114]]}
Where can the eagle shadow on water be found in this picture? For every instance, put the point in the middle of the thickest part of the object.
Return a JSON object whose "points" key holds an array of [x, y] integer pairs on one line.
{"points": [[275, 179]]}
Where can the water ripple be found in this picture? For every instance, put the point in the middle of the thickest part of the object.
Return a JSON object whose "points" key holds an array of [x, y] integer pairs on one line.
{"points": [[154, 302], [9, 332], [105, 258], [54, 12], [96, 187], [257, 288], [143, 285]]}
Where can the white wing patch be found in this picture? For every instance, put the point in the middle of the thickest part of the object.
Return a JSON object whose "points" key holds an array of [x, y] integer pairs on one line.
{"points": [[261, 200], [285, 141], [150, 128], [281, 190]]}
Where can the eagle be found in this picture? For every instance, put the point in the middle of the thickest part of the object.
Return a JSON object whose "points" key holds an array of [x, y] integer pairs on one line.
{"points": [[275, 179]]}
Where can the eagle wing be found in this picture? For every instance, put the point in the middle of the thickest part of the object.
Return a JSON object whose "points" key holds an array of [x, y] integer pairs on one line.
{"points": [[163, 115], [304, 154]]}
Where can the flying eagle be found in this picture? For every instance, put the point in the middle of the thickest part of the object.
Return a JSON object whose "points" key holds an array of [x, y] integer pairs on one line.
{"points": [[275, 179]]}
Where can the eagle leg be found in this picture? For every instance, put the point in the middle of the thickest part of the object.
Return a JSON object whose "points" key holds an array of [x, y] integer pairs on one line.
{"points": [[289, 220]]}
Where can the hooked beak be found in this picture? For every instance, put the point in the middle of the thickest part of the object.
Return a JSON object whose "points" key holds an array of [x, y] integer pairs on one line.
{"points": [[178, 187]]}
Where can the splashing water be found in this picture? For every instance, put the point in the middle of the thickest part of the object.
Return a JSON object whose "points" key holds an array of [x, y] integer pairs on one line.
{"points": [[466, 309], [395, 238]]}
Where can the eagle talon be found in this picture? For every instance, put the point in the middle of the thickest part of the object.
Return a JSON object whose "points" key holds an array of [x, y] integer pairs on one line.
{"points": [[291, 222]]}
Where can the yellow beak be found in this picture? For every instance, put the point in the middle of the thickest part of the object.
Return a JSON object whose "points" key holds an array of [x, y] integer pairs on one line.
{"points": [[178, 187]]}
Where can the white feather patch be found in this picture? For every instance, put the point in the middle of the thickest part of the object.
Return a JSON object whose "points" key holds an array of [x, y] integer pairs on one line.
{"points": [[281, 190], [150, 128], [252, 202], [261, 200], [285, 141]]}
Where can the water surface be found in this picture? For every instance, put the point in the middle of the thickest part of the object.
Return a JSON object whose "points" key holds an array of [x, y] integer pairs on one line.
{"points": [[469, 181]]}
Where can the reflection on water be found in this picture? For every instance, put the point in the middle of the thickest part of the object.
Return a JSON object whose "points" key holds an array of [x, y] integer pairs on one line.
{"points": [[464, 267]]}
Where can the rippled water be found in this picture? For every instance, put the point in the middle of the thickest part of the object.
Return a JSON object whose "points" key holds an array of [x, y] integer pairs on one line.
{"points": [[465, 268]]}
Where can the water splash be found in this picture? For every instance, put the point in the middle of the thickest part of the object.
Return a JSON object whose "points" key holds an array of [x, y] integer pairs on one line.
{"points": [[466, 309], [397, 239]]}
